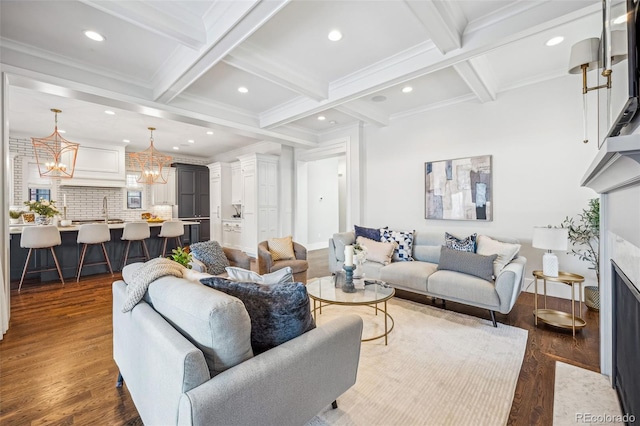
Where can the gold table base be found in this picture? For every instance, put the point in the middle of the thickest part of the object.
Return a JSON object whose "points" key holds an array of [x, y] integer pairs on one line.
{"points": [[317, 306]]}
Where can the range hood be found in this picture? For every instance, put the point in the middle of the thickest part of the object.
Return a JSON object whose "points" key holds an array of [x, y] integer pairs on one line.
{"points": [[617, 165]]}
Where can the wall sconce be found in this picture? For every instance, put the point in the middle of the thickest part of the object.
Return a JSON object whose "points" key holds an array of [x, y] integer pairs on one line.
{"points": [[586, 56]]}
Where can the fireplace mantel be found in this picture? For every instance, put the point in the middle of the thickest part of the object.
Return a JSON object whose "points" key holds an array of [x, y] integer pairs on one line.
{"points": [[617, 165]]}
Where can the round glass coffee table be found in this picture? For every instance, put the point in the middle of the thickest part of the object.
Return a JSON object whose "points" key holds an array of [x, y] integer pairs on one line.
{"points": [[323, 292]]}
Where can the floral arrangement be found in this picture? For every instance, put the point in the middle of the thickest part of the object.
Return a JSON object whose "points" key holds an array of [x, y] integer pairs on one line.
{"points": [[360, 253], [43, 207], [584, 235]]}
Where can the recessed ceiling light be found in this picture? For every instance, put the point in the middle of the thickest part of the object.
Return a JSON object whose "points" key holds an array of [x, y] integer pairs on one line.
{"points": [[126, 140], [334, 35], [209, 132], [620, 19], [379, 98], [332, 122], [407, 89], [62, 131], [242, 89], [322, 117], [94, 35], [109, 112], [191, 141], [176, 148], [554, 41]]}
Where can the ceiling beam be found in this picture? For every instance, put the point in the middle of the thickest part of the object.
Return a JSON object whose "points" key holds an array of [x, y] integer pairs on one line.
{"points": [[253, 61], [443, 21], [69, 89], [236, 22], [476, 73], [520, 20], [161, 18], [362, 111]]}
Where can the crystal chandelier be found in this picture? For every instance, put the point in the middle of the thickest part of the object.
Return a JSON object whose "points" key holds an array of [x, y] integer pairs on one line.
{"points": [[152, 164], [56, 156]]}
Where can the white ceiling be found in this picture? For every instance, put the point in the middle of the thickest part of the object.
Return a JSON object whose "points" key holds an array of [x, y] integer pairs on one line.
{"points": [[177, 65]]}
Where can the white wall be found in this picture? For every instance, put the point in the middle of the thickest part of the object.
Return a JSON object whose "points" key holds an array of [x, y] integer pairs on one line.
{"points": [[535, 137], [323, 201]]}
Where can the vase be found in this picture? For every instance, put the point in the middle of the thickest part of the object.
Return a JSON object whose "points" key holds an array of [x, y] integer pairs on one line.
{"points": [[592, 297], [14, 221], [43, 220]]}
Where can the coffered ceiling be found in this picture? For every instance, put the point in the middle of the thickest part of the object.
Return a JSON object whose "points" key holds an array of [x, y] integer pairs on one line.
{"points": [[178, 65]]}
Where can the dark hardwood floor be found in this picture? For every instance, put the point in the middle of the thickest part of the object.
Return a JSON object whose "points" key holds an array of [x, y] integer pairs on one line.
{"points": [[56, 365]]}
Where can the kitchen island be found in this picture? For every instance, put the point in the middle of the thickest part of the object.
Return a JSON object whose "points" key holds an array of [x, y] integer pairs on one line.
{"points": [[68, 252]]}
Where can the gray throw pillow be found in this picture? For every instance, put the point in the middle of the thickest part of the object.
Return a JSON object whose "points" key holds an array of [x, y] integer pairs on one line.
{"points": [[284, 275], [211, 254], [467, 263], [278, 312]]}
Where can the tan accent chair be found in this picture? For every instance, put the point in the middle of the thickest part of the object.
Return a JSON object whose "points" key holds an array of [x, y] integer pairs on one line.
{"points": [[299, 265]]}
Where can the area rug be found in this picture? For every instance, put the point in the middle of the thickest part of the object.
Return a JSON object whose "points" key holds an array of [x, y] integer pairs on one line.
{"points": [[582, 396], [439, 368]]}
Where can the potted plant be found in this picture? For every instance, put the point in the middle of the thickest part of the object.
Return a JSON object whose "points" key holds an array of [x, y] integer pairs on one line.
{"points": [[46, 210], [182, 256], [584, 235], [14, 216]]}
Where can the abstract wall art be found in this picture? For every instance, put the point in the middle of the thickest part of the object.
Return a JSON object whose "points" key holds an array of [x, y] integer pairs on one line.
{"points": [[459, 189]]}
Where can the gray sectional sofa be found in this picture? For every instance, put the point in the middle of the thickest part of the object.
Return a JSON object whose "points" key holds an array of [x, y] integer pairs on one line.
{"points": [[186, 358], [422, 275]]}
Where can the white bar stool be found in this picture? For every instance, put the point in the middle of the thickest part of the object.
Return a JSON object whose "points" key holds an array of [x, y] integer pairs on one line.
{"points": [[171, 229], [136, 231], [40, 237], [93, 234]]}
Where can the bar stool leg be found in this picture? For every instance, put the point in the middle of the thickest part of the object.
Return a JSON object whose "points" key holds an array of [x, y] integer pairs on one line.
{"points": [[164, 246], [178, 242], [126, 254], [24, 271], [84, 252], [55, 259], [106, 256], [146, 252]]}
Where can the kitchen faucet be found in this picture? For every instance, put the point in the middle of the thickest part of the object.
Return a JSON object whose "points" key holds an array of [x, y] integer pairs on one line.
{"points": [[105, 209]]}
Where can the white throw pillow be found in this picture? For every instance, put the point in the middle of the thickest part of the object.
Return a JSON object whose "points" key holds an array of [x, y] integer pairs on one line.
{"points": [[284, 275], [487, 246], [377, 251]]}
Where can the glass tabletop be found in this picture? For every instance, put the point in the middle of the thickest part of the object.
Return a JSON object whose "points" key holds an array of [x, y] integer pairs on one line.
{"points": [[325, 290]]}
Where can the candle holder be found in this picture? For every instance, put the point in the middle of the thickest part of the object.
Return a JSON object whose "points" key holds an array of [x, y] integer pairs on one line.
{"points": [[348, 286], [64, 212]]}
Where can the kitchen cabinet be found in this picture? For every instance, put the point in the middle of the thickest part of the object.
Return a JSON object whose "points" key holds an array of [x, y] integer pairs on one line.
{"points": [[165, 193], [192, 187], [219, 197], [236, 184], [259, 186], [232, 234], [98, 165]]}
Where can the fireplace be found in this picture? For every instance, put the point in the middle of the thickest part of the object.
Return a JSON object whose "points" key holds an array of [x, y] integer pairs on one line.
{"points": [[626, 343]]}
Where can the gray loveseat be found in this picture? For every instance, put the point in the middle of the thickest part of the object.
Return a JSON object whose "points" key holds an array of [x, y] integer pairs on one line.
{"points": [[185, 355], [422, 276]]}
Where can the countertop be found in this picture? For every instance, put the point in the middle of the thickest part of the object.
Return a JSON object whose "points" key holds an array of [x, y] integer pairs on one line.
{"points": [[17, 229], [235, 219]]}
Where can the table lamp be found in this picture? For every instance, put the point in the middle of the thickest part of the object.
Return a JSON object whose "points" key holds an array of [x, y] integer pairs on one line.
{"points": [[548, 238]]}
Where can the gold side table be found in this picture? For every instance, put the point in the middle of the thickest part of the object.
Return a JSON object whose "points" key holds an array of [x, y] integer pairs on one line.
{"points": [[556, 318]]}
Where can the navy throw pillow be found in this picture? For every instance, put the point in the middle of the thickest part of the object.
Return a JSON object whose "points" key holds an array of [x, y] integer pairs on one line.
{"points": [[278, 312], [370, 233], [467, 263]]}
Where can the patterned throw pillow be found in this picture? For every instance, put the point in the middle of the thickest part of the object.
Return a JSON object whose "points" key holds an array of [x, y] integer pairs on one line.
{"points": [[404, 241], [464, 244], [211, 254], [281, 248], [278, 312], [467, 263]]}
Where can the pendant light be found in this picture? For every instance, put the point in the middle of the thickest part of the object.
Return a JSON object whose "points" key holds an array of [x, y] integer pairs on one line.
{"points": [[56, 156], [153, 165]]}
